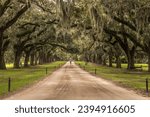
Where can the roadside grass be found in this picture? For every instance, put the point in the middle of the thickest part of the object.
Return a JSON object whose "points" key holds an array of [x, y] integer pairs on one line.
{"points": [[130, 79], [24, 77]]}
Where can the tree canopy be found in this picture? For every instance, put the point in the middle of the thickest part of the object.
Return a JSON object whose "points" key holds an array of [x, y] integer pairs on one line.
{"points": [[99, 31]]}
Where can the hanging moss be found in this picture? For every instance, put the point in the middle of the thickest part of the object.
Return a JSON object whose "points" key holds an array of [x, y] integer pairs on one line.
{"points": [[64, 11], [98, 20]]}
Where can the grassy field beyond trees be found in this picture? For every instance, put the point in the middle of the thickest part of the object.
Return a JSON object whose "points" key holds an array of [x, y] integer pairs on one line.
{"points": [[25, 76], [130, 79]]}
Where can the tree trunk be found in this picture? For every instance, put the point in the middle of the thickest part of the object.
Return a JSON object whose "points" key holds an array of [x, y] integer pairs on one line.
{"points": [[44, 58], [131, 61], [32, 59], [99, 61], [40, 58], [94, 58], [18, 53], [110, 60], [104, 61], [17, 59], [36, 59], [26, 61], [86, 58], [118, 62], [148, 62], [48, 58], [2, 61]]}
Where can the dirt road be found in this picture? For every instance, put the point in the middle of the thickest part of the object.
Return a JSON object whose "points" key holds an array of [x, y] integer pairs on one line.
{"points": [[70, 82]]}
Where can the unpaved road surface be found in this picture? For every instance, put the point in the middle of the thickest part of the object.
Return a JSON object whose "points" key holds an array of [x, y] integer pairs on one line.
{"points": [[71, 82]]}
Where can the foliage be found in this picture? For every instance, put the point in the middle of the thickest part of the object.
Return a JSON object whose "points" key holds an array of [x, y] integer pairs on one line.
{"points": [[99, 31]]}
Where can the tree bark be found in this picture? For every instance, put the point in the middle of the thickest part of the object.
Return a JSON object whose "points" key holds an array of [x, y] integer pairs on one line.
{"points": [[18, 54], [93, 58], [104, 61], [40, 58], [2, 61], [99, 61], [131, 62], [110, 60], [44, 58], [48, 58], [32, 59], [148, 62], [118, 62], [36, 58], [26, 61]]}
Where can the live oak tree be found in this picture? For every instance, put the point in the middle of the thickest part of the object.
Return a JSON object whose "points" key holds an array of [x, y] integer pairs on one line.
{"points": [[135, 20], [128, 19], [10, 12]]}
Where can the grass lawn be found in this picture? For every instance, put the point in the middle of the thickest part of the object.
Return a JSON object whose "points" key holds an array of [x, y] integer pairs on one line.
{"points": [[24, 77], [131, 79]]}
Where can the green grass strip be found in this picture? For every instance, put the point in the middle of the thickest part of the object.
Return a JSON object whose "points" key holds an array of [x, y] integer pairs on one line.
{"points": [[24, 77], [130, 79]]}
